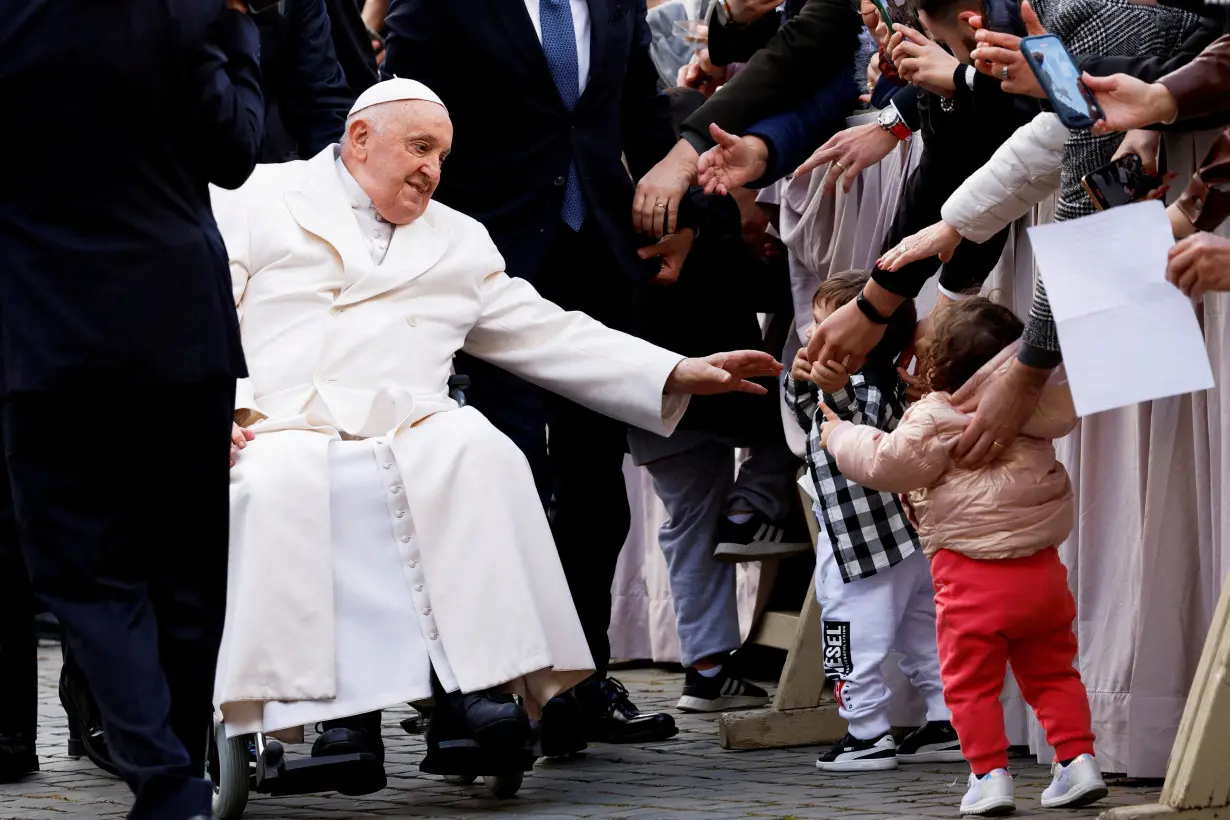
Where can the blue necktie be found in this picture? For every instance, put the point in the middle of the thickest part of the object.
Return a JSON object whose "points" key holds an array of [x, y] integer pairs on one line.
{"points": [[559, 43]]}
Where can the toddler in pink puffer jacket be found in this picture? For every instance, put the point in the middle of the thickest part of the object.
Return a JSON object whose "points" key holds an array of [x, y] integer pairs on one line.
{"points": [[992, 533]]}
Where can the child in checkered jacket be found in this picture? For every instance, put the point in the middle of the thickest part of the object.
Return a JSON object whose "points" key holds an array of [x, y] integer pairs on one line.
{"points": [[873, 581]]}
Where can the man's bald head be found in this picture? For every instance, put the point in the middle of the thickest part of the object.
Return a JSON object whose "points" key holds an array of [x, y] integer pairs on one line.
{"points": [[395, 150]]}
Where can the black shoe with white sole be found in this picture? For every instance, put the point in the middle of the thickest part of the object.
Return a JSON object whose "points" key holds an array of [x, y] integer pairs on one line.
{"points": [[759, 538], [936, 742], [720, 693], [853, 755]]}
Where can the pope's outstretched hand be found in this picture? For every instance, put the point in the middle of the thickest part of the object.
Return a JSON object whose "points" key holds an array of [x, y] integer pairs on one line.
{"points": [[723, 373]]}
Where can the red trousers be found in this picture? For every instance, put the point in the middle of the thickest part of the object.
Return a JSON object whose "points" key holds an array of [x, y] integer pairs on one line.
{"points": [[1019, 611]]}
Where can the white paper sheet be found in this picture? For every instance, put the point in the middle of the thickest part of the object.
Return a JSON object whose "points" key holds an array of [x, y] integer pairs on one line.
{"points": [[1127, 334]]}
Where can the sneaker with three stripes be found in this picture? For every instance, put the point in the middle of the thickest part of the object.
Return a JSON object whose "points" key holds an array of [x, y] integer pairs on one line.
{"points": [[720, 693], [759, 538]]}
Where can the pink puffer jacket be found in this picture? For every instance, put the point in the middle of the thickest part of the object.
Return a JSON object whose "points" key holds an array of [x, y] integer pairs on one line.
{"points": [[1018, 505]]}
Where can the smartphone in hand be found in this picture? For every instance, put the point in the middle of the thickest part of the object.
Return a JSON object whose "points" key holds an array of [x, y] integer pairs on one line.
{"points": [[1119, 183], [1061, 80]]}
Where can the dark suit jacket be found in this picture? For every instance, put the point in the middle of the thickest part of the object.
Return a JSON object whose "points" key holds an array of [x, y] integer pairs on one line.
{"points": [[804, 55], [353, 45], [306, 93], [111, 267], [514, 139]]}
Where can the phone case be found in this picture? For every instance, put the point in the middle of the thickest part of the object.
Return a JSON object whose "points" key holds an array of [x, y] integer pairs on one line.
{"points": [[1067, 111]]}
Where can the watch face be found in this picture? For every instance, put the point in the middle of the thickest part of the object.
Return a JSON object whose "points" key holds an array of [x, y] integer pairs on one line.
{"points": [[888, 117]]}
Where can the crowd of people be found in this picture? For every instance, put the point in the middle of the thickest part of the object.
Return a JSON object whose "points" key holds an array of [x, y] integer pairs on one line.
{"points": [[305, 224]]}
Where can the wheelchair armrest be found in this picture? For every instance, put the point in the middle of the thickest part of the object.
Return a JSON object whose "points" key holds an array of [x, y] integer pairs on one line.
{"points": [[457, 385]]}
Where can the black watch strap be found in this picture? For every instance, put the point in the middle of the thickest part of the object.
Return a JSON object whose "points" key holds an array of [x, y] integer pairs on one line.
{"points": [[869, 310]]}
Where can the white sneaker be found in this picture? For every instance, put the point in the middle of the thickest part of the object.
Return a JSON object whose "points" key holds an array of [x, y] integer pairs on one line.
{"points": [[989, 795], [1077, 784]]}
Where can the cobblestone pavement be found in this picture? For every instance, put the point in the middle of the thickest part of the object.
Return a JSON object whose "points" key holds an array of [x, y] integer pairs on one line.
{"points": [[687, 778]]}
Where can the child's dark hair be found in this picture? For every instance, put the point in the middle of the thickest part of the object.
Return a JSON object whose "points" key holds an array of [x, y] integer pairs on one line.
{"points": [[840, 288], [965, 336]]}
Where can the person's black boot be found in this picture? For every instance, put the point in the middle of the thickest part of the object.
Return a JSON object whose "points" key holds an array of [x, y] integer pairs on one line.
{"points": [[496, 722], [359, 734], [609, 716], [17, 757]]}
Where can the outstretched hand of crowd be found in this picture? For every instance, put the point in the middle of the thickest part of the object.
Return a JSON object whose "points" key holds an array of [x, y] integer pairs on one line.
{"points": [[849, 152], [732, 163], [935, 240]]}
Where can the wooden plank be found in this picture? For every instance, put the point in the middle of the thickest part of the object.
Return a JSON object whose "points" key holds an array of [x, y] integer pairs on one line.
{"points": [[802, 682], [1155, 811], [773, 729], [776, 629], [1198, 775]]}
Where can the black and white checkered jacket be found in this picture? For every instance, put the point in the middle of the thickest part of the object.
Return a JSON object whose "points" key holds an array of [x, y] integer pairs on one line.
{"points": [[868, 530], [1107, 28]]}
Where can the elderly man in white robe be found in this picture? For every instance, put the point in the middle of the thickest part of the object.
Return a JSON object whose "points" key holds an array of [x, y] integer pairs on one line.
{"points": [[388, 546]]}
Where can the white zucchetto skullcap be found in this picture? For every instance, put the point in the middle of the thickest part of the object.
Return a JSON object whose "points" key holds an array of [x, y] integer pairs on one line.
{"points": [[392, 91]]}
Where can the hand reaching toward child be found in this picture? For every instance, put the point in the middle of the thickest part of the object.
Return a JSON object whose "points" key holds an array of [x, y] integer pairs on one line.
{"points": [[830, 422]]}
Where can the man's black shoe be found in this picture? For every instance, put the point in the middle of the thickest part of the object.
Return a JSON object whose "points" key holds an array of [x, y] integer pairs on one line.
{"points": [[17, 757], [609, 716], [562, 733], [85, 732]]}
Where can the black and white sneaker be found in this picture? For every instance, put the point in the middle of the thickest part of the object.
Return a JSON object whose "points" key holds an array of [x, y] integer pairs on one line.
{"points": [[853, 755], [721, 693], [759, 538], [936, 742]]}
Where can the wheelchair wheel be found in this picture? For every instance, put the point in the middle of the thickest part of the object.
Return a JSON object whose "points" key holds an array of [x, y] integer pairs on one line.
{"points": [[504, 785], [231, 773], [460, 779]]}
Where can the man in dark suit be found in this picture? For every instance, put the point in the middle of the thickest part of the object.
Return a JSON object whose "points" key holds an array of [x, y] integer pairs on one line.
{"points": [[121, 349], [546, 96], [306, 93]]}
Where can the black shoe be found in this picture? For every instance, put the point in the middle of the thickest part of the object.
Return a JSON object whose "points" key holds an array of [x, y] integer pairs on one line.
{"points": [[17, 757], [561, 731], [759, 538], [936, 742], [720, 693], [608, 715], [85, 732], [853, 755], [360, 734], [496, 722]]}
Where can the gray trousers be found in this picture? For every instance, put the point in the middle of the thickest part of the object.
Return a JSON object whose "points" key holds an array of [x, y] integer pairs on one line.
{"points": [[698, 487]]}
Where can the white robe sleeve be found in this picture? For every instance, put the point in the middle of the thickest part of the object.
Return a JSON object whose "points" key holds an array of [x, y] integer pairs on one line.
{"points": [[1023, 172], [233, 223], [573, 355]]}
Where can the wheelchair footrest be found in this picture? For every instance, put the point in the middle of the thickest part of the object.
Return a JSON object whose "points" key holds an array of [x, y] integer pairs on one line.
{"points": [[351, 774], [465, 757]]}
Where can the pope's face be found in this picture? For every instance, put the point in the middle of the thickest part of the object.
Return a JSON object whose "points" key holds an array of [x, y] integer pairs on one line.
{"points": [[399, 156]]}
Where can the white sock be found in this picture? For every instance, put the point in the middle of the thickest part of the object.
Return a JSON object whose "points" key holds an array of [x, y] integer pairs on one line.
{"points": [[739, 518], [710, 673]]}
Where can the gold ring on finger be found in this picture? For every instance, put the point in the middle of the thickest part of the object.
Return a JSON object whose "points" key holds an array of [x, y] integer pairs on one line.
{"points": [[842, 166]]}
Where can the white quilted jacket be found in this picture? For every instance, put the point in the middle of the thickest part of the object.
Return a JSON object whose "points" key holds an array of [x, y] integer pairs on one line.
{"points": [[1023, 172]]}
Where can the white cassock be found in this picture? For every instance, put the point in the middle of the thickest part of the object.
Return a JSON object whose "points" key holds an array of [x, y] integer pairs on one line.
{"points": [[378, 531]]}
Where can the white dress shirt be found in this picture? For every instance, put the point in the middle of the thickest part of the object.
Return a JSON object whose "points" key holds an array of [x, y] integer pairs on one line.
{"points": [[580, 25], [377, 233]]}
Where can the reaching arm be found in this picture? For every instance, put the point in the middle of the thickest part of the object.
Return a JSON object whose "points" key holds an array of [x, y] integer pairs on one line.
{"points": [[805, 53], [231, 115], [911, 457], [1023, 171], [1202, 87], [792, 136], [1206, 202], [316, 98], [571, 354]]}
